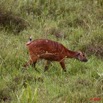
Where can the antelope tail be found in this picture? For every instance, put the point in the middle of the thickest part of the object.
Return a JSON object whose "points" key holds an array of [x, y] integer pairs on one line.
{"points": [[30, 38]]}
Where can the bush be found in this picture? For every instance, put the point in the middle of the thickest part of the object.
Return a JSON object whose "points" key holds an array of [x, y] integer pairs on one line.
{"points": [[12, 22]]}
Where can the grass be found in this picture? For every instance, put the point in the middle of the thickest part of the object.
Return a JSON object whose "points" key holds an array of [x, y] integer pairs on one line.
{"points": [[79, 26]]}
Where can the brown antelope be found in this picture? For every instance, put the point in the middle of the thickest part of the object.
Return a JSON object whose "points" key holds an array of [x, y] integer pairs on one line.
{"points": [[51, 51]]}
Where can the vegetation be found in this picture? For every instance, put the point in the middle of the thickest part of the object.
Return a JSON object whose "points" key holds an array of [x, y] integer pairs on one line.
{"points": [[77, 24]]}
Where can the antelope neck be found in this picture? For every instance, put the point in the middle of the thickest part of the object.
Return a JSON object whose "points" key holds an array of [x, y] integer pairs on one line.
{"points": [[71, 54]]}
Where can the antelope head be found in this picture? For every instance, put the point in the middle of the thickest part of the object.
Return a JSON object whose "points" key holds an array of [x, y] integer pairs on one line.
{"points": [[81, 56]]}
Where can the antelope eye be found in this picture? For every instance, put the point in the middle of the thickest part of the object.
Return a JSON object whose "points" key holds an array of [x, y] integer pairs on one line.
{"points": [[83, 55]]}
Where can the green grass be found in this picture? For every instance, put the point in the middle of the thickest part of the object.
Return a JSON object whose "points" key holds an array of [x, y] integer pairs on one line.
{"points": [[80, 27]]}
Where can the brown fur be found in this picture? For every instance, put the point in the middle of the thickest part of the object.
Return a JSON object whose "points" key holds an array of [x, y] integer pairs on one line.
{"points": [[51, 51]]}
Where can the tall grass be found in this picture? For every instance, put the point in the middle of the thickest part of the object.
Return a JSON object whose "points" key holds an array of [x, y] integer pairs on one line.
{"points": [[77, 24]]}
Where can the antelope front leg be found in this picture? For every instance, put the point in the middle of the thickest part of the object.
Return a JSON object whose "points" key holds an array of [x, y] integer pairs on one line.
{"points": [[63, 65]]}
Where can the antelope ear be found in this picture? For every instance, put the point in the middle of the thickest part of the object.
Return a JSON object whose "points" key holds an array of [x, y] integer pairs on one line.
{"points": [[77, 54]]}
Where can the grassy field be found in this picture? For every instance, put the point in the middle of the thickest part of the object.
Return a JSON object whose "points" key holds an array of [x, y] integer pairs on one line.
{"points": [[77, 24]]}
